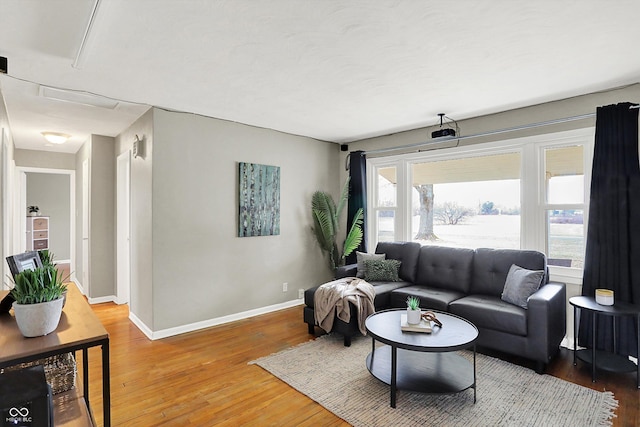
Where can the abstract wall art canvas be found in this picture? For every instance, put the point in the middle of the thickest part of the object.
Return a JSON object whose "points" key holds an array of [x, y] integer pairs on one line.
{"points": [[259, 207]]}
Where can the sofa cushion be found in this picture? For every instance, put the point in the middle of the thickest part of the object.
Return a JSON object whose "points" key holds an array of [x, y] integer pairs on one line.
{"points": [[383, 270], [308, 296], [520, 285], [405, 252], [361, 257], [445, 268], [491, 266], [384, 291], [433, 298], [490, 312]]}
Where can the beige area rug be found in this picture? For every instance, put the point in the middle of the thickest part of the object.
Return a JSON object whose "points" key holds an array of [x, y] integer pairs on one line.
{"points": [[336, 377]]}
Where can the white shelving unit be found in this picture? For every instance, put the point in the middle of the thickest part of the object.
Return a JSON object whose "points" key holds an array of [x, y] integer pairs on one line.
{"points": [[37, 233]]}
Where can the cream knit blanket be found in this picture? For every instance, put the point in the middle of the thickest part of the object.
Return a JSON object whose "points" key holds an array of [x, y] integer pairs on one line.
{"points": [[334, 297]]}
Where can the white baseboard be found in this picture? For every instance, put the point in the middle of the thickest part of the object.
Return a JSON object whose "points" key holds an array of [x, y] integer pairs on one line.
{"points": [[78, 285], [169, 332], [100, 300], [140, 325]]}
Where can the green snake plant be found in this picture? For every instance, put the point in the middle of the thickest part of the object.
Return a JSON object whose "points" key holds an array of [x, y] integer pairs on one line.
{"points": [[42, 284], [326, 219]]}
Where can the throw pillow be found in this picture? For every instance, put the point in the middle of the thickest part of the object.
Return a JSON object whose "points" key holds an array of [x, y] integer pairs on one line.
{"points": [[361, 257], [521, 284], [385, 270]]}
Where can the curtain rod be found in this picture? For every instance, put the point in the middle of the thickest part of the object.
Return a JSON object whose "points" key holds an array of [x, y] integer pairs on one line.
{"points": [[493, 132]]}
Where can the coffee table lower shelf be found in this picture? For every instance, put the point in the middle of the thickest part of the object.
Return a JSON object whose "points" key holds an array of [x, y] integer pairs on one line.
{"points": [[423, 372]]}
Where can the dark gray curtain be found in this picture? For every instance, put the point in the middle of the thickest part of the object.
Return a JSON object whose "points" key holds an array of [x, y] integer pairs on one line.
{"points": [[612, 259], [357, 196]]}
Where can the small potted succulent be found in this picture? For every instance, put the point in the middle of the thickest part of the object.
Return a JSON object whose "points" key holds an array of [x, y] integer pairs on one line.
{"points": [[413, 310], [38, 302], [33, 210]]}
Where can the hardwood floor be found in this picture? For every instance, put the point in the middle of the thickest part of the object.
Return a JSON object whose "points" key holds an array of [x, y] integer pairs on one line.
{"points": [[203, 378]]}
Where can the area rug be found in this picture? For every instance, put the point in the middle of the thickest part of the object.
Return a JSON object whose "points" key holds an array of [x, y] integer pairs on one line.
{"points": [[336, 377]]}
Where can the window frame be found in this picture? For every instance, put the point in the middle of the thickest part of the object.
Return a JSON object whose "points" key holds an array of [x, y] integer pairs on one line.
{"points": [[373, 197], [533, 204]]}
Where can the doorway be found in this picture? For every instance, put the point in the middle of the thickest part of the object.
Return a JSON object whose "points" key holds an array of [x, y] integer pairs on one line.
{"points": [[47, 187]]}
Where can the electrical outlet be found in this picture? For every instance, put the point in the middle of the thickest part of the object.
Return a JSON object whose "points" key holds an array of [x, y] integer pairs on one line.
{"points": [[285, 287], [300, 293]]}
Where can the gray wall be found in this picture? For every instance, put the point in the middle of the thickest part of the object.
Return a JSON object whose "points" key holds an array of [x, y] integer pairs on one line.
{"points": [[103, 217], [576, 106], [50, 192], [200, 269], [99, 150], [82, 154], [141, 292], [44, 159]]}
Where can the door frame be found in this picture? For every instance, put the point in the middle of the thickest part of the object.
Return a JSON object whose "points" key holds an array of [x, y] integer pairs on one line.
{"points": [[8, 175], [123, 227], [20, 210], [85, 217]]}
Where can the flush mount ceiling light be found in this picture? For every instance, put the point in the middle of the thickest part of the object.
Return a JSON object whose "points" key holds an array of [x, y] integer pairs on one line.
{"points": [[56, 137]]}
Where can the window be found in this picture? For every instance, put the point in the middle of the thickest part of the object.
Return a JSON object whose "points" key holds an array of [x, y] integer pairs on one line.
{"points": [[564, 205], [525, 193], [385, 207], [470, 202]]}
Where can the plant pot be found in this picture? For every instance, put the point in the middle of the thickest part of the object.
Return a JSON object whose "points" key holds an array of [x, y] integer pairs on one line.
{"points": [[413, 316], [35, 320]]}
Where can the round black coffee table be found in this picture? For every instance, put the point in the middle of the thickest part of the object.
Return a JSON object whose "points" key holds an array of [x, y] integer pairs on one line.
{"points": [[417, 361]]}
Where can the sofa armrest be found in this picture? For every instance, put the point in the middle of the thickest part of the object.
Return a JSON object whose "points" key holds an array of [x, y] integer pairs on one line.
{"points": [[547, 319], [349, 270]]}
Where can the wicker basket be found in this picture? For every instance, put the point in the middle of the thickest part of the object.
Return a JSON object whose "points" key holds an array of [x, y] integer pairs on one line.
{"points": [[60, 371]]}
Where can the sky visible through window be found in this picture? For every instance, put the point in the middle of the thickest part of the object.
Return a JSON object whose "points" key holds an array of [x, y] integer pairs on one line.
{"points": [[472, 194]]}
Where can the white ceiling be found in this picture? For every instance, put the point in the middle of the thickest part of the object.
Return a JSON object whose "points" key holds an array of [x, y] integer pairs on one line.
{"points": [[339, 70]]}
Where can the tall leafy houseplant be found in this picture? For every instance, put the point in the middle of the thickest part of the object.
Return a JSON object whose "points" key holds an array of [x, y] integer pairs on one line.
{"points": [[326, 220]]}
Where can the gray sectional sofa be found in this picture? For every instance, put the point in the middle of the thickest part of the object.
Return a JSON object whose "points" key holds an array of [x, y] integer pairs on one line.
{"points": [[469, 283]]}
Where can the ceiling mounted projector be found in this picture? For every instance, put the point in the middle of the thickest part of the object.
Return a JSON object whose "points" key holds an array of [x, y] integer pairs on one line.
{"points": [[443, 132]]}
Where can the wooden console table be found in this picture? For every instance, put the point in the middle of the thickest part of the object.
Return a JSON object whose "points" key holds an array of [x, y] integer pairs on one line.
{"points": [[601, 359], [79, 329]]}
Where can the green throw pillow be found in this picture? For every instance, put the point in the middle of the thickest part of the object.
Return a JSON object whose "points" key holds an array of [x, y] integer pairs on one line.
{"points": [[361, 257], [384, 270]]}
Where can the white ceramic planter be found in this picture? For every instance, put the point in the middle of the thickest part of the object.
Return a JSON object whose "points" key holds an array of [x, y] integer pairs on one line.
{"points": [[36, 320], [413, 316]]}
